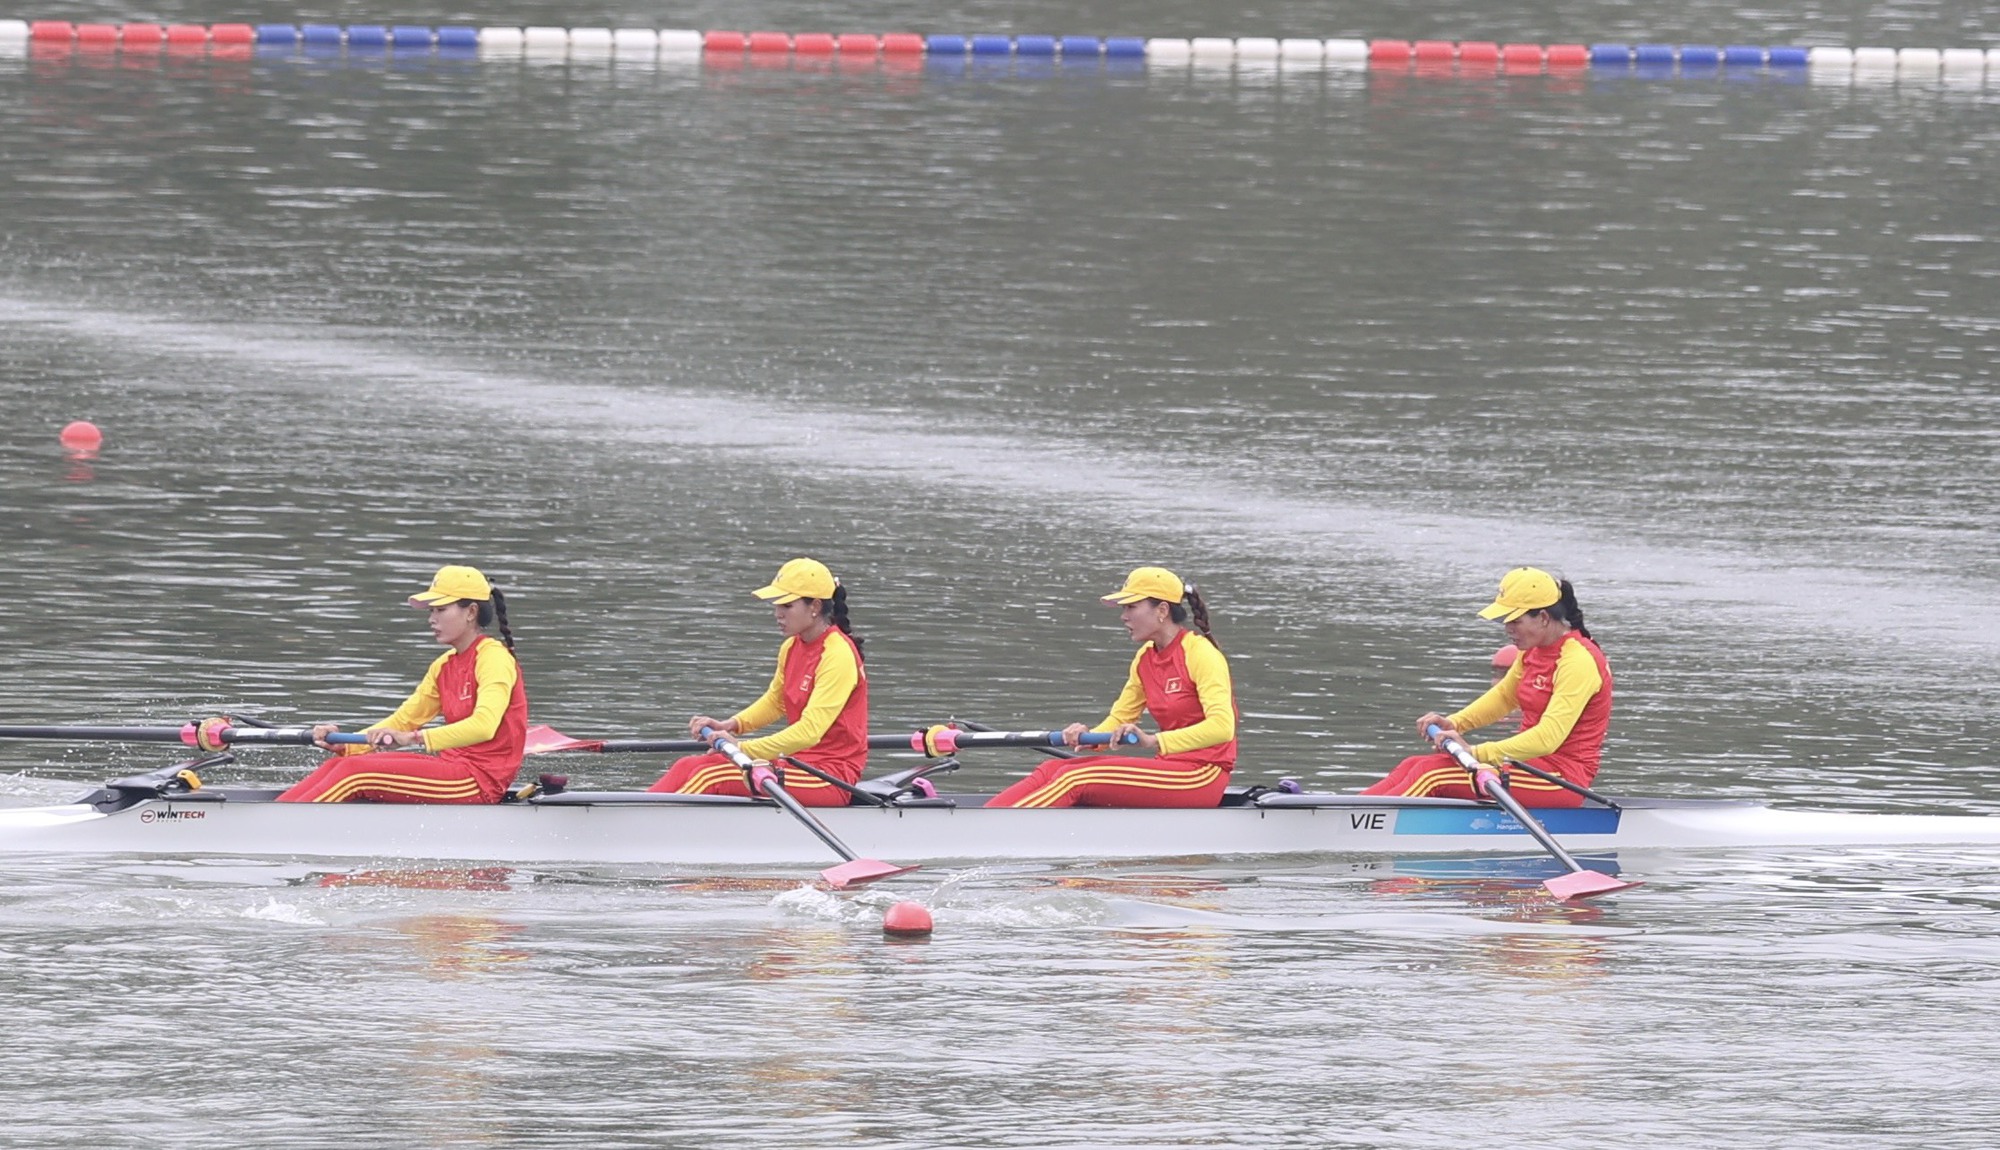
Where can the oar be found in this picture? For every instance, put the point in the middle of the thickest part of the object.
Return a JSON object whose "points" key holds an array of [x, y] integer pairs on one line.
{"points": [[1051, 752], [1580, 882], [765, 781], [184, 734], [935, 741]]}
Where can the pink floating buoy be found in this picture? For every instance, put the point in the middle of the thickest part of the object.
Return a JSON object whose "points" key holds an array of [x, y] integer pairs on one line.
{"points": [[187, 35], [1568, 56], [97, 34], [1521, 55], [813, 44], [1434, 51], [82, 435], [1388, 52], [902, 43], [906, 919], [233, 34], [59, 30], [857, 43], [724, 42], [142, 35], [1484, 53], [770, 42]]}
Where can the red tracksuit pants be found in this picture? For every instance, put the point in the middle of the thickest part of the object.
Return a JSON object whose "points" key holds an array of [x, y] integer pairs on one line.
{"points": [[1111, 781], [716, 775], [394, 777], [1439, 776]]}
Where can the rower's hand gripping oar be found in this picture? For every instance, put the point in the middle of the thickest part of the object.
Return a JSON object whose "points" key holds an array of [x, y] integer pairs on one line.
{"points": [[1580, 882], [765, 780]]}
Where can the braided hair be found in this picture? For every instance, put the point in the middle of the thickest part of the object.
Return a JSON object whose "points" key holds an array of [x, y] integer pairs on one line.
{"points": [[1195, 610], [1566, 610], [836, 613], [496, 611]]}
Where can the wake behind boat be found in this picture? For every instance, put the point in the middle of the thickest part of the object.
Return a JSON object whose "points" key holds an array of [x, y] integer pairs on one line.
{"points": [[167, 812]]}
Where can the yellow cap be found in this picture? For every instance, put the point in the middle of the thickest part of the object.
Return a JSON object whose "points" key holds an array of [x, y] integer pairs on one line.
{"points": [[1149, 583], [451, 584], [1522, 590], [799, 579]]}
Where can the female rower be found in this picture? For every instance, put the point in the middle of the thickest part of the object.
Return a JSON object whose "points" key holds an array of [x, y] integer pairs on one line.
{"points": [[820, 689], [1180, 677], [476, 686], [1561, 684]]}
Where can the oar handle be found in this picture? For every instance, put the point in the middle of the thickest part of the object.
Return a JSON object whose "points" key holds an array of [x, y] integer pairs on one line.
{"points": [[1486, 781], [938, 741], [763, 780]]}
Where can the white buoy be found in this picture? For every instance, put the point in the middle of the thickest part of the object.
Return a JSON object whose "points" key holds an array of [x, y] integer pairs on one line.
{"points": [[1212, 49], [1874, 59], [590, 41], [1963, 60], [1347, 53], [1168, 51], [635, 43], [499, 41], [1920, 63], [679, 42], [1830, 58], [1302, 52], [13, 31], [545, 41], [1256, 48]]}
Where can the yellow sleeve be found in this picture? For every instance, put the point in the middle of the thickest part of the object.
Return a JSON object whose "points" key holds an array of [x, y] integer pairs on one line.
{"points": [[1131, 701], [1496, 704], [496, 672], [421, 707], [1577, 682], [770, 706], [834, 681], [1210, 672]]}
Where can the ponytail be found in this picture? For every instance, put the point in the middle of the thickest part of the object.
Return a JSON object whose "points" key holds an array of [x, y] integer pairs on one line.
{"points": [[496, 611], [836, 613], [1195, 611], [1567, 610]]}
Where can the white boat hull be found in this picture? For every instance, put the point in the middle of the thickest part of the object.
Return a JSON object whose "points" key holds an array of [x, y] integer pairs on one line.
{"points": [[755, 834]]}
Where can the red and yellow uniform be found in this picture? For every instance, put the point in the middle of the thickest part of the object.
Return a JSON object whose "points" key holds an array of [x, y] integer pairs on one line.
{"points": [[474, 755], [1186, 688], [821, 690], [1564, 694]]}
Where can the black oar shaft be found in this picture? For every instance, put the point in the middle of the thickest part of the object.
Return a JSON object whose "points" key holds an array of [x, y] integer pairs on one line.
{"points": [[1487, 779], [105, 734]]}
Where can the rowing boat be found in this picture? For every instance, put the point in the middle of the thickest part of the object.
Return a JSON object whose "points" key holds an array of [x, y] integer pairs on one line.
{"points": [[156, 814]]}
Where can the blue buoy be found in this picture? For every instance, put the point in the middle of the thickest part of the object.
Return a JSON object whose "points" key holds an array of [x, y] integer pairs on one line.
{"points": [[1089, 47], [1610, 55], [367, 36], [321, 34], [1743, 56], [1034, 45], [277, 34], [410, 36], [452, 36], [992, 45], [1125, 47], [1700, 55], [945, 45], [1787, 57], [1653, 54]]}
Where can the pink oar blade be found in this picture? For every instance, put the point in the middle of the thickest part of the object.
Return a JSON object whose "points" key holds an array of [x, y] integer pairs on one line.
{"points": [[1584, 884], [849, 874], [544, 739]]}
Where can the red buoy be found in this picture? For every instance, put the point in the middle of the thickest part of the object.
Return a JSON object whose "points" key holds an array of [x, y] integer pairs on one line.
{"points": [[81, 435], [906, 919]]}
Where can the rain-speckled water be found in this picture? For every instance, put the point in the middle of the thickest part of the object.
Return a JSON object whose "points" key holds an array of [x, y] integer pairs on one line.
{"points": [[1341, 347]]}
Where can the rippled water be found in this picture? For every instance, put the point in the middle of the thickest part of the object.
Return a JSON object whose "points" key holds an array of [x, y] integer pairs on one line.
{"points": [[1340, 347]]}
